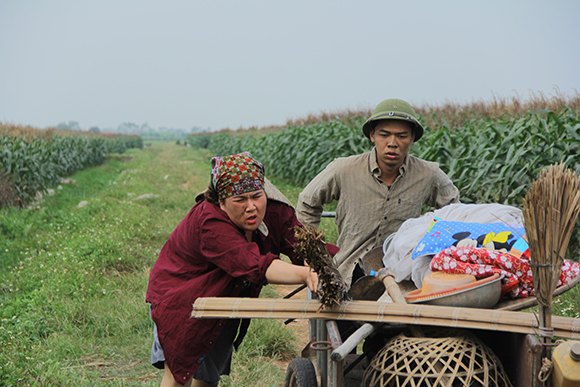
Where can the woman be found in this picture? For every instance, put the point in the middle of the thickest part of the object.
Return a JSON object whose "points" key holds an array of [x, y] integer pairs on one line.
{"points": [[227, 246]]}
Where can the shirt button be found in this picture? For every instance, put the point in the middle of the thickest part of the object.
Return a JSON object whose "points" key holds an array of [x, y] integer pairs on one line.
{"points": [[211, 342], [388, 199], [385, 218]]}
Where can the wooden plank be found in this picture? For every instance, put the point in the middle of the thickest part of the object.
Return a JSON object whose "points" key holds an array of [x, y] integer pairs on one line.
{"points": [[372, 311]]}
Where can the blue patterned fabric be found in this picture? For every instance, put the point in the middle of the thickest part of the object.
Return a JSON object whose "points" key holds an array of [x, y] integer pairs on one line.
{"points": [[445, 233]]}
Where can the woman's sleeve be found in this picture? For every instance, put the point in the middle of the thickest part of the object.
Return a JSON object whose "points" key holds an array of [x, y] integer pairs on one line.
{"points": [[223, 245]]}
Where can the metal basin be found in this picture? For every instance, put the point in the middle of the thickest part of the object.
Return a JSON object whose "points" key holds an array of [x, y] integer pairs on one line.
{"points": [[479, 296]]}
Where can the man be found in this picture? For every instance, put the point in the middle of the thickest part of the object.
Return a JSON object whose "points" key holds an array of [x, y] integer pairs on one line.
{"points": [[378, 190]]}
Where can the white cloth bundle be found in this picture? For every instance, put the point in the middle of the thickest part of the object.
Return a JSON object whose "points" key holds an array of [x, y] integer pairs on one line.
{"points": [[398, 251]]}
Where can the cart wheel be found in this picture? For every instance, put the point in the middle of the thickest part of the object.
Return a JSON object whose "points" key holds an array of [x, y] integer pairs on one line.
{"points": [[301, 373]]}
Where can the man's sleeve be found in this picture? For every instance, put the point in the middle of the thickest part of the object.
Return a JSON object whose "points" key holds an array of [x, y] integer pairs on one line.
{"points": [[324, 188], [289, 237], [445, 191]]}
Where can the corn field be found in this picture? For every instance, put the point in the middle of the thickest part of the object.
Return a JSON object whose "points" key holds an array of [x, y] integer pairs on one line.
{"points": [[489, 160], [30, 165], [296, 154], [495, 161]]}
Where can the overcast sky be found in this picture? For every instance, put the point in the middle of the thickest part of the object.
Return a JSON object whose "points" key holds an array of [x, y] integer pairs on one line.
{"points": [[216, 64]]}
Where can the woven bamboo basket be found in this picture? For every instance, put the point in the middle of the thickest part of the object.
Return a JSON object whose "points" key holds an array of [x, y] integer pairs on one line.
{"points": [[444, 358]]}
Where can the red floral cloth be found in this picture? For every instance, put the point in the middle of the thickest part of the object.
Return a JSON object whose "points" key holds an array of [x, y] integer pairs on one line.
{"points": [[480, 262]]}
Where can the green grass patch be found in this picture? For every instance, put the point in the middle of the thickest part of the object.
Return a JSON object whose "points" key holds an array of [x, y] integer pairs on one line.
{"points": [[74, 271]]}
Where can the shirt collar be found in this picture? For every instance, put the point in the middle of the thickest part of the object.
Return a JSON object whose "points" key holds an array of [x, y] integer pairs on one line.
{"points": [[263, 229], [374, 164], [405, 166]]}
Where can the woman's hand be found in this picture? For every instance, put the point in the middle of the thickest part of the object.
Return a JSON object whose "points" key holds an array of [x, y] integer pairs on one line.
{"points": [[280, 272], [311, 280]]}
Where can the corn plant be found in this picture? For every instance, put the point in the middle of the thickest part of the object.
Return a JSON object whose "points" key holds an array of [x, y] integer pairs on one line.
{"points": [[296, 154], [34, 165], [489, 160], [496, 160]]}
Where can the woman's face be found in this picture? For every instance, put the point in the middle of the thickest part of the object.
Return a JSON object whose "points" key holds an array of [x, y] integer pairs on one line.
{"points": [[246, 210]]}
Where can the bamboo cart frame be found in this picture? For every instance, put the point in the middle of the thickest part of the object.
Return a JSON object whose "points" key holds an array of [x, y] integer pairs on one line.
{"points": [[521, 353], [515, 332]]}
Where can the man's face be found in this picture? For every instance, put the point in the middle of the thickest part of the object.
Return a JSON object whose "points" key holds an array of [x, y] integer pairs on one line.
{"points": [[246, 210], [392, 139]]}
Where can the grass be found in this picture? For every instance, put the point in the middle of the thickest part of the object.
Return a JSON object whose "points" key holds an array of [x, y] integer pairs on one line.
{"points": [[73, 280]]}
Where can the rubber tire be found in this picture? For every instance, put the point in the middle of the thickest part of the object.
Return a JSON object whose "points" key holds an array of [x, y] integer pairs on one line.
{"points": [[301, 373]]}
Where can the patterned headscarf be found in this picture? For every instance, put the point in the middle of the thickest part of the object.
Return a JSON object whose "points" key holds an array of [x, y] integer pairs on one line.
{"points": [[236, 175]]}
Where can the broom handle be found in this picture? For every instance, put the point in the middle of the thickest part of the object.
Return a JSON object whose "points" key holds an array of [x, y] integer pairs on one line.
{"points": [[298, 289], [393, 291], [391, 286]]}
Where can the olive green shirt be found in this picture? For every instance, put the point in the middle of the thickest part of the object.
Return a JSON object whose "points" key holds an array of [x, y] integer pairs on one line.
{"points": [[368, 211]]}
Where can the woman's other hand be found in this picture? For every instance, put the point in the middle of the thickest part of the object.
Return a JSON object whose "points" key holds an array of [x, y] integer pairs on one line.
{"points": [[280, 272]]}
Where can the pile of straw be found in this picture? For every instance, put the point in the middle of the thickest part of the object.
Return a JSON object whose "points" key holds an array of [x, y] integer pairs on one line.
{"points": [[312, 248], [550, 211]]}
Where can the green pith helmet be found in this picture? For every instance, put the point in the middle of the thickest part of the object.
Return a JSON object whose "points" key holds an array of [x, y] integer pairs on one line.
{"points": [[394, 109]]}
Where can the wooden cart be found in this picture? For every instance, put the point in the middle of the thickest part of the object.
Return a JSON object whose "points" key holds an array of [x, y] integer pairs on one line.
{"points": [[328, 362]]}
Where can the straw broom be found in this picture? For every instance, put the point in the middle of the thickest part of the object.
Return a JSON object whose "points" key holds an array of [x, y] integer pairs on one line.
{"points": [[312, 248], [550, 210]]}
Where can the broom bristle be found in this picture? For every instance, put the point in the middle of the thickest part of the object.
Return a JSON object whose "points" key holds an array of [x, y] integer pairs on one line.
{"points": [[550, 209], [312, 248]]}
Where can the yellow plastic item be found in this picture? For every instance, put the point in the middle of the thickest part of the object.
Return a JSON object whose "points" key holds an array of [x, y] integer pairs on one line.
{"points": [[566, 360]]}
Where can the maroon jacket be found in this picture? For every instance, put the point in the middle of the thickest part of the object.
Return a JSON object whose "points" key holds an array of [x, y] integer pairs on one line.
{"points": [[207, 255]]}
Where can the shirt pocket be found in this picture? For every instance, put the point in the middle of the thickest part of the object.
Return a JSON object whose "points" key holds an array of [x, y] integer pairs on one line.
{"points": [[407, 206]]}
